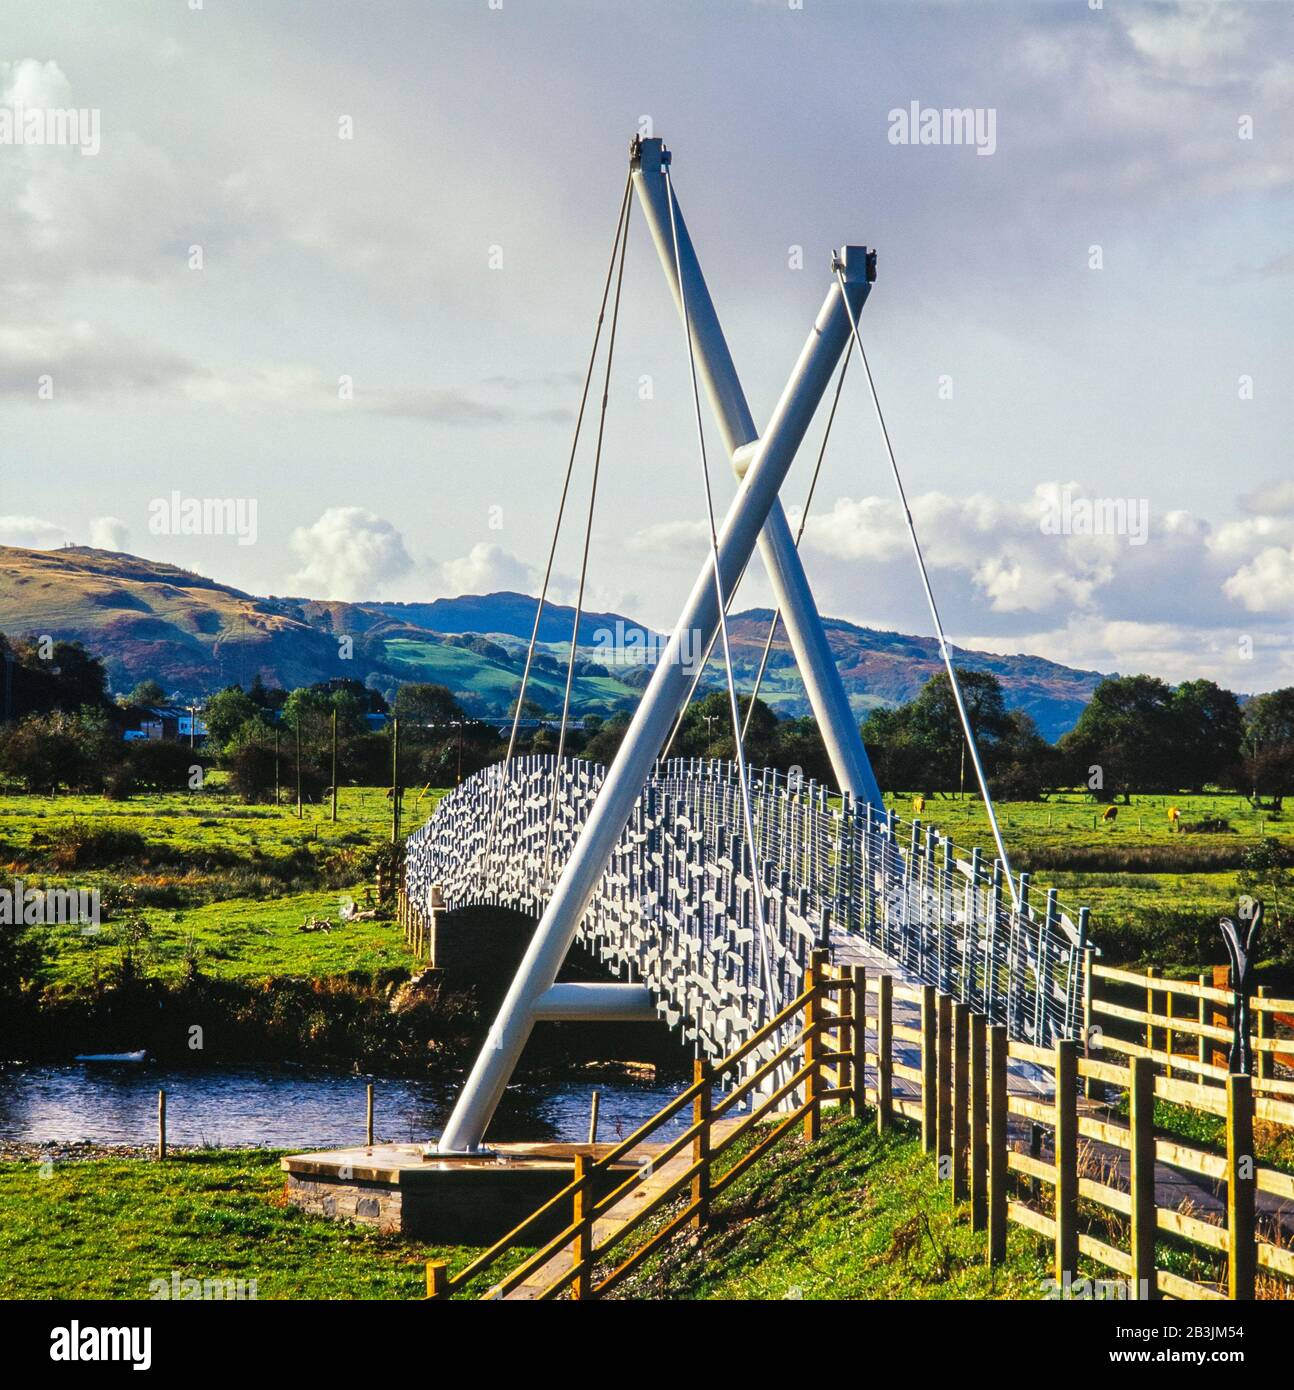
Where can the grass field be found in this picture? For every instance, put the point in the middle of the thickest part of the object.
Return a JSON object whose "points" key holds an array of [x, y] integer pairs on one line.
{"points": [[103, 1228], [199, 875], [852, 1216]]}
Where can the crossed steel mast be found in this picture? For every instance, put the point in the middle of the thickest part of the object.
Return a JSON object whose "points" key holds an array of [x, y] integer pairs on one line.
{"points": [[761, 462]]}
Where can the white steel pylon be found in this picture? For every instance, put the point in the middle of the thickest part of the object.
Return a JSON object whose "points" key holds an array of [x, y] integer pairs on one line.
{"points": [[761, 462]]}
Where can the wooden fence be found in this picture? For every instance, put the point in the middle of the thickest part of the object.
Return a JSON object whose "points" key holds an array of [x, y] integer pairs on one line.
{"points": [[989, 1110]]}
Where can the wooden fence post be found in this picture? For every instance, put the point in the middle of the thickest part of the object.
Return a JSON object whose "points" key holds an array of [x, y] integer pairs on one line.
{"points": [[1202, 1050], [1141, 1124], [1151, 972], [929, 1069], [583, 1216], [813, 1014], [978, 1123], [1066, 1159], [368, 1116], [701, 1076], [884, 1052], [161, 1124], [997, 1143], [960, 1099], [1242, 1257], [1168, 1032], [437, 1279], [1221, 1012], [944, 1089], [858, 1040], [1263, 1061]]}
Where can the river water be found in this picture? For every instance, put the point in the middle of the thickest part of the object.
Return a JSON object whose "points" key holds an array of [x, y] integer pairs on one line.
{"points": [[117, 1104]]}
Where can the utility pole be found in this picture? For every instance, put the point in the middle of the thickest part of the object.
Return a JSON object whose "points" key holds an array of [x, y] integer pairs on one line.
{"points": [[297, 722], [276, 764], [193, 724], [395, 780], [334, 765]]}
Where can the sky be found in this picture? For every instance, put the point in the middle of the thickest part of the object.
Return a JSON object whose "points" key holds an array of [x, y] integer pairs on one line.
{"points": [[340, 264]]}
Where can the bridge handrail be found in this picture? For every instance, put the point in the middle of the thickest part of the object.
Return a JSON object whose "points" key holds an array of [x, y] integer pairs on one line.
{"points": [[821, 989]]}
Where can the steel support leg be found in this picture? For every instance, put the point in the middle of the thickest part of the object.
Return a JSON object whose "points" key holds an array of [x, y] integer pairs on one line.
{"points": [[781, 559], [659, 707]]}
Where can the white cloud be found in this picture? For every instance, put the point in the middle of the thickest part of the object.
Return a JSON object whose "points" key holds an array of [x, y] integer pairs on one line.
{"points": [[1266, 584], [109, 533], [349, 554], [1275, 498], [30, 532], [485, 569]]}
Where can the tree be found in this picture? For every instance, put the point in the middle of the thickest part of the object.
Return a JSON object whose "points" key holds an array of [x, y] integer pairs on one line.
{"points": [[1124, 740], [147, 692], [1266, 771], [226, 713], [1208, 728], [423, 703], [47, 752]]}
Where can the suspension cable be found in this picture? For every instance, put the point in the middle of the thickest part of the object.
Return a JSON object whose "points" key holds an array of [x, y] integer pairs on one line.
{"points": [[930, 597], [588, 529], [770, 983], [621, 221]]}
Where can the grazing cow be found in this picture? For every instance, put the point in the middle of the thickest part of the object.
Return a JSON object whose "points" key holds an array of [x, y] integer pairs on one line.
{"points": [[1110, 813]]}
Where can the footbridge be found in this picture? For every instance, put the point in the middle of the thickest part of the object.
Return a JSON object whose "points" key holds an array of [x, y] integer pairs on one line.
{"points": [[674, 914], [706, 885]]}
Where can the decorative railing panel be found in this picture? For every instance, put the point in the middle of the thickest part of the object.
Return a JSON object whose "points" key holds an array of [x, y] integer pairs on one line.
{"points": [[676, 906]]}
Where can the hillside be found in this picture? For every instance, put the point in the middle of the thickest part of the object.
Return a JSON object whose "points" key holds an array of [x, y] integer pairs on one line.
{"points": [[194, 635]]}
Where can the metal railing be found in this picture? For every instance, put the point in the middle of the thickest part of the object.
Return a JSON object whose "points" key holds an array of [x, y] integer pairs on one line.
{"points": [[675, 907]]}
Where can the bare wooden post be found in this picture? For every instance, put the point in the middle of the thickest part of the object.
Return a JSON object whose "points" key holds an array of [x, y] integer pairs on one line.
{"points": [[929, 1070], [813, 1013], [978, 1064], [1263, 1061], [583, 1217], [368, 1127], [1242, 1256], [997, 1143], [884, 1052], [593, 1118], [858, 1040], [1066, 1159], [944, 1089], [437, 1279], [1202, 1054], [1141, 1123], [701, 1144], [1221, 1012], [960, 1099], [161, 1124], [1168, 1032], [1151, 972]]}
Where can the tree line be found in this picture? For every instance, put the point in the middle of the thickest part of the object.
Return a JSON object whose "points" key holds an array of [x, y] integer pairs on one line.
{"points": [[61, 729]]}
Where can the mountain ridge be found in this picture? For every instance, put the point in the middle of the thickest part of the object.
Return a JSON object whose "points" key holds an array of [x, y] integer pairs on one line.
{"points": [[193, 634]]}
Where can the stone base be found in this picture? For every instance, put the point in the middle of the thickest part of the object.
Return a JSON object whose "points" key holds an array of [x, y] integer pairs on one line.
{"points": [[455, 1199]]}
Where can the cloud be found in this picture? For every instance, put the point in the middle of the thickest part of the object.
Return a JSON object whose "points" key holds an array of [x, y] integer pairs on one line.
{"points": [[30, 532], [109, 533], [485, 569], [1266, 584], [1274, 498], [349, 554]]}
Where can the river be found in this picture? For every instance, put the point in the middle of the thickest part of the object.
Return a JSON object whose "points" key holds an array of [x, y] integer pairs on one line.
{"points": [[117, 1104]]}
